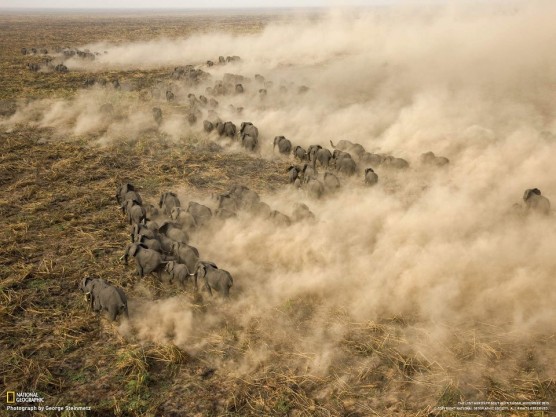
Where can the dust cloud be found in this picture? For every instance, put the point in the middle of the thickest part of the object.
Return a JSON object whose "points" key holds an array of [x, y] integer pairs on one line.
{"points": [[441, 250]]}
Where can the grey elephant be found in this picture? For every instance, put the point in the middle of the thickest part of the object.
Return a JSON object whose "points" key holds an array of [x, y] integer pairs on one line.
{"points": [[261, 209], [284, 145], [127, 191], [224, 214], [170, 96], [214, 278], [323, 156], [184, 218], [396, 163], [372, 159], [535, 202], [153, 244], [302, 212], [312, 150], [157, 115], [258, 77], [229, 130], [248, 128], [370, 177], [309, 172], [331, 182], [178, 272], [185, 254], [245, 197], [173, 231], [344, 163], [249, 142], [105, 297], [227, 202], [347, 146], [203, 100], [213, 102], [300, 153], [202, 214], [135, 212], [208, 126], [146, 260], [141, 229], [239, 89], [429, 158], [280, 218], [293, 173], [315, 188], [168, 201]]}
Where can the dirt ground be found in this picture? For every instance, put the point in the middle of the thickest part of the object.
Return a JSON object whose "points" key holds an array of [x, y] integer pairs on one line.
{"points": [[60, 222]]}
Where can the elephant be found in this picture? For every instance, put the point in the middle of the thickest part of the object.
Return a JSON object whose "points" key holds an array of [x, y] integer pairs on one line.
{"points": [[208, 126], [23, 51], [170, 96], [302, 212], [293, 173], [312, 150], [230, 129], [61, 68], [153, 244], [151, 211], [219, 127], [225, 214], [323, 156], [191, 118], [141, 229], [104, 296], [370, 177], [246, 198], [213, 102], [331, 182], [168, 201], [134, 211], [429, 158], [397, 163], [184, 218], [239, 89], [248, 128], [185, 254], [284, 145], [178, 272], [227, 202], [210, 63], [203, 100], [221, 60], [174, 232], [157, 115], [535, 202], [309, 172], [280, 218], [147, 260], [345, 164], [315, 188], [371, 159], [214, 278], [347, 146], [261, 209], [151, 224], [126, 191], [116, 84], [258, 77], [262, 92], [192, 99], [249, 142], [202, 214], [300, 153]]}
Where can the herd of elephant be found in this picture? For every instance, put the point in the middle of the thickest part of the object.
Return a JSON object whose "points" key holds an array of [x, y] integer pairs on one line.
{"points": [[160, 241]]}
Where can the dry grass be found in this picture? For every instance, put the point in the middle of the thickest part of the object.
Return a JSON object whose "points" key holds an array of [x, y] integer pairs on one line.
{"points": [[60, 221]]}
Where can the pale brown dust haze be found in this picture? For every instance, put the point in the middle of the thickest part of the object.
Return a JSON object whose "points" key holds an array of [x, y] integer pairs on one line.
{"points": [[442, 251]]}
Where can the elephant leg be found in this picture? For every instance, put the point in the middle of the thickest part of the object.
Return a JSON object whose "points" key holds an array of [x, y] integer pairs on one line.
{"points": [[112, 312]]}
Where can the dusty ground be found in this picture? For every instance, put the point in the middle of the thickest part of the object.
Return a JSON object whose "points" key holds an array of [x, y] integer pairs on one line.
{"points": [[60, 221]]}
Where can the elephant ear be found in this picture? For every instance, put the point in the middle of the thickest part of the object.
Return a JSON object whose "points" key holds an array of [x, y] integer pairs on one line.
{"points": [[164, 227], [83, 284]]}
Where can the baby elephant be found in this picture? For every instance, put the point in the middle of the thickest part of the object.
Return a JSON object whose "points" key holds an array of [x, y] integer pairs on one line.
{"points": [[179, 272], [535, 202], [214, 278], [104, 296]]}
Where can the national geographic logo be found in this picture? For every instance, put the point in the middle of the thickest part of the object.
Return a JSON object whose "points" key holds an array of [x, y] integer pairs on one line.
{"points": [[10, 397]]}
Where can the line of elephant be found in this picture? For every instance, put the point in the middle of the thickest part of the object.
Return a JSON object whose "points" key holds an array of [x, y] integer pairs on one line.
{"points": [[160, 241]]}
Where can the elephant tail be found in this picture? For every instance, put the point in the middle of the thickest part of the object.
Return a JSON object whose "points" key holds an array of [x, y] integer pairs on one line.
{"points": [[331, 144]]}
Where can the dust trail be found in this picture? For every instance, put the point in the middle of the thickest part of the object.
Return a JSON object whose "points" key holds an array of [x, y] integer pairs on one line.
{"points": [[440, 249]]}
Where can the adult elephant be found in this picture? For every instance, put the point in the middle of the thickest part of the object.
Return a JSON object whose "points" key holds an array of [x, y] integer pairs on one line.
{"points": [[168, 201], [312, 150], [249, 142], [535, 202], [300, 153], [214, 278], [284, 145], [323, 156], [370, 177], [429, 158], [248, 128], [230, 129], [351, 147], [344, 163], [202, 214]]}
